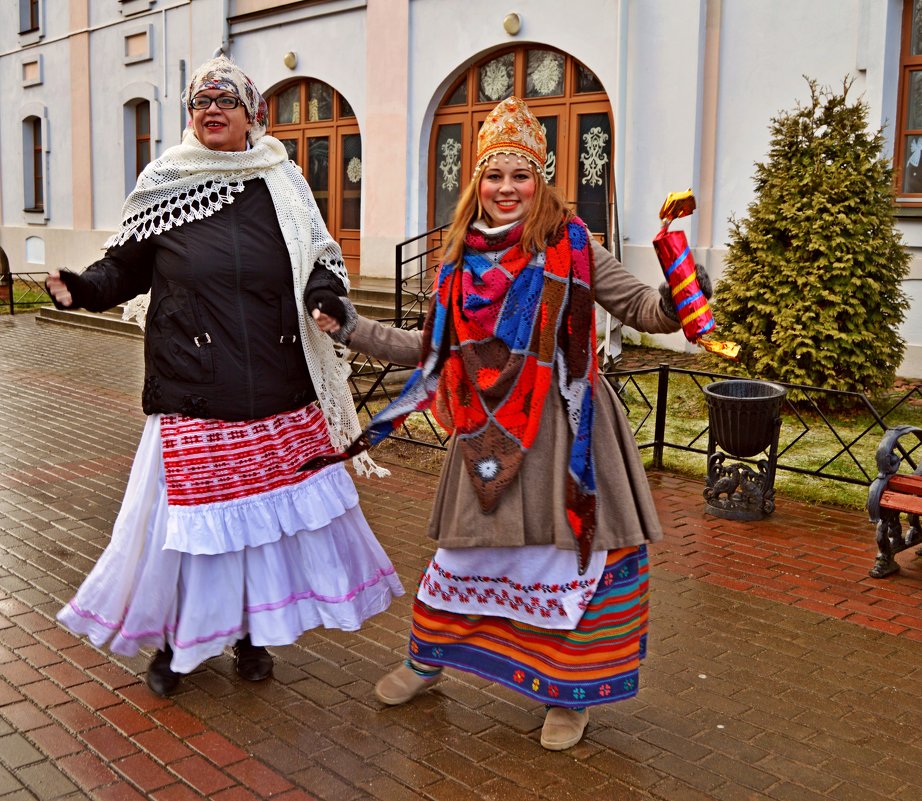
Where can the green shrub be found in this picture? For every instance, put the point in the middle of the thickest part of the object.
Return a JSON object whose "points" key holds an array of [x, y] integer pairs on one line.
{"points": [[812, 290]]}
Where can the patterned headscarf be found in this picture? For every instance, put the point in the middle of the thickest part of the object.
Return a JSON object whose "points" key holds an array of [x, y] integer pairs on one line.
{"points": [[222, 73]]}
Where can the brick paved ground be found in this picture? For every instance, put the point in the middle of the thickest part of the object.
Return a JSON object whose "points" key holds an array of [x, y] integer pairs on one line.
{"points": [[777, 669]]}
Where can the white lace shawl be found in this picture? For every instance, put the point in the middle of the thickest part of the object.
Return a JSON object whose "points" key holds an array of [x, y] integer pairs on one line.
{"points": [[190, 182]]}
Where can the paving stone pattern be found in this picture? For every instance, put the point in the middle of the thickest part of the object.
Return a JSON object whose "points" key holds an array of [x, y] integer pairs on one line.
{"points": [[777, 669]]}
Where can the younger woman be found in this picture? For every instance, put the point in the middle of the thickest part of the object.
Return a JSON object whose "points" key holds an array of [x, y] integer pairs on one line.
{"points": [[543, 510]]}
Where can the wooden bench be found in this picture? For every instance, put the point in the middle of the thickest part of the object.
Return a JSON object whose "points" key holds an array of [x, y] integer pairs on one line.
{"points": [[893, 493]]}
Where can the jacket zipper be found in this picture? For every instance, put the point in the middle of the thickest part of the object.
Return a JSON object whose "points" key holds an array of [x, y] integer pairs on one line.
{"points": [[243, 322]]}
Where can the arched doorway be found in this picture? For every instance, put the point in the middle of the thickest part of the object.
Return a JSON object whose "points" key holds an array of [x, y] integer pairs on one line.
{"points": [[321, 134], [563, 94]]}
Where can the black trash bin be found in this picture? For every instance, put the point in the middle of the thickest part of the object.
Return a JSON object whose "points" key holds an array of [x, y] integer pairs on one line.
{"points": [[742, 414], [744, 418]]}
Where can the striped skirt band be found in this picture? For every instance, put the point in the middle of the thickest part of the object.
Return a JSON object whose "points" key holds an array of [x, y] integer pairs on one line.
{"points": [[598, 662], [211, 461]]}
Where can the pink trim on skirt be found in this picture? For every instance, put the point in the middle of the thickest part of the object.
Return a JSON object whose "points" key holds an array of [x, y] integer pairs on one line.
{"points": [[315, 563]]}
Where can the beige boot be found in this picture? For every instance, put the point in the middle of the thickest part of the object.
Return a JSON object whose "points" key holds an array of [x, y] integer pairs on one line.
{"points": [[563, 728], [402, 684]]}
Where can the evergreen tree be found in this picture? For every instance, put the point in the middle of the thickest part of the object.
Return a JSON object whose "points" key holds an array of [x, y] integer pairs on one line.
{"points": [[813, 286]]}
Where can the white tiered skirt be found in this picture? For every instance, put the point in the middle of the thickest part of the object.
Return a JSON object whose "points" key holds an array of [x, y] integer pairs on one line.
{"points": [[296, 558]]}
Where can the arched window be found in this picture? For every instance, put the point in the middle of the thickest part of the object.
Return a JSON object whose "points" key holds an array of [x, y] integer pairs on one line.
{"points": [[908, 150], [141, 136], [321, 134], [563, 94], [141, 123], [137, 120], [33, 165]]}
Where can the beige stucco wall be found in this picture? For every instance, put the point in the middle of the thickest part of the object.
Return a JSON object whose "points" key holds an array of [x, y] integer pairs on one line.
{"points": [[81, 142], [63, 247], [384, 156]]}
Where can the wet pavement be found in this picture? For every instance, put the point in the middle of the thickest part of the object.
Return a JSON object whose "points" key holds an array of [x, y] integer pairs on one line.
{"points": [[777, 668]]}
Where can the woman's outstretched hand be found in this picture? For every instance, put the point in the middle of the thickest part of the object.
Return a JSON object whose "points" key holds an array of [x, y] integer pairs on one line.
{"points": [[58, 289]]}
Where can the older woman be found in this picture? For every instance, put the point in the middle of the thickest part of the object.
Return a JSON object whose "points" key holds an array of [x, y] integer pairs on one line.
{"points": [[219, 541]]}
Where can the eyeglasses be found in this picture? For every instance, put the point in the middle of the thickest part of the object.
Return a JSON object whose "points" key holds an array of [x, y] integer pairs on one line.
{"points": [[226, 102]]}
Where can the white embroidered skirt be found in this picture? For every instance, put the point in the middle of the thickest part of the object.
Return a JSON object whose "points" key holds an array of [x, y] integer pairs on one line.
{"points": [[201, 574], [535, 584]]}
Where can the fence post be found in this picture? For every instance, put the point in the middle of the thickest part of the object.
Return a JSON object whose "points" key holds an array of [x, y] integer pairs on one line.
{"points": [[398, 285], [659, 426], [6, 280]]}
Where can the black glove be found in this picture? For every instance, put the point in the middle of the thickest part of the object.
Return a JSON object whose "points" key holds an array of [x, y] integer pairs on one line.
{"points": [[337, 307], [74, 284], [327, 301], [704, 281], [665, 293]]}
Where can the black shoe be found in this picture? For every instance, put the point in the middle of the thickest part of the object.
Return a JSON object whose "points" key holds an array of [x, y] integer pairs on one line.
{"points": [[253, 662], [160, 678]]}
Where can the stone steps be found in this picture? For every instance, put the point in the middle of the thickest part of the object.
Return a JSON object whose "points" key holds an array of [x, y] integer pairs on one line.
{"points": [[109, 321], [372, 297]]}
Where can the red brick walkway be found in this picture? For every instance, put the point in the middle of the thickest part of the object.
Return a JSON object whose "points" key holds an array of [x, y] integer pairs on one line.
{"points": [[812, 557], [101, 729], [777, 671]]}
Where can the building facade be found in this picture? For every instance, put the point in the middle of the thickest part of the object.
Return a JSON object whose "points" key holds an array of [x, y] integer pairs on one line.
{"points": [[379, 102]]}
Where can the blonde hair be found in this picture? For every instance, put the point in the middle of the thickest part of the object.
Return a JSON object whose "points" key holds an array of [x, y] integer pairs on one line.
{"points": [[545, 215]]}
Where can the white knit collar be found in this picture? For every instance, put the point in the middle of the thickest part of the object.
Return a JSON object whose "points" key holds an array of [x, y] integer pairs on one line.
{"points": [[481, 225]]}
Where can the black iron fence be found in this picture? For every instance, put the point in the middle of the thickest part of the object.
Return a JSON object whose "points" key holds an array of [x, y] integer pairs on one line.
{"points": [[375, 383], [415, 263], [23, 291], [665, 405], [668, 412]]}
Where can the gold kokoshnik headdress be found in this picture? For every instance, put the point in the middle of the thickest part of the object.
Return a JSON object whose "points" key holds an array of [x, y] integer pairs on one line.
{"points": [[511, 128]]}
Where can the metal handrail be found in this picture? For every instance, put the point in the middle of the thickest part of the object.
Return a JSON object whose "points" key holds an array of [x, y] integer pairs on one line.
{"points": [[412, 289]]}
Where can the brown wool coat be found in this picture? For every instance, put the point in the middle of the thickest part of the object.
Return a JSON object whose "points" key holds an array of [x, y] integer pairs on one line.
{"points": [[532, 510]]}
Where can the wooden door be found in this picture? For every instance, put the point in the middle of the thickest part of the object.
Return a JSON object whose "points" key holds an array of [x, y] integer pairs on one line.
{"points": [[590, 155], [319, 130], [567, 99]]}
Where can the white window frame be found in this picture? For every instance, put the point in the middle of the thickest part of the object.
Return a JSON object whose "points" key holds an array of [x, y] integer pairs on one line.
{"points": [[30, 215], [129, 97], [33, 35]]}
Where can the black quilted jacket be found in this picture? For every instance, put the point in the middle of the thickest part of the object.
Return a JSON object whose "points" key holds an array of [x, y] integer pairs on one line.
{"points": [[221, 339]]}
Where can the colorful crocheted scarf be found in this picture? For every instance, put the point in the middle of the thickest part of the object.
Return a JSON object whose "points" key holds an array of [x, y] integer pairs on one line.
{"points": [[498, 325]]}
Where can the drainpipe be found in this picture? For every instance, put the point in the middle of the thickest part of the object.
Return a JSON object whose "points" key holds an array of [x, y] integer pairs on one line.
{"points": [[620, 115], [225, 31], [182, 88], [702, 227]]}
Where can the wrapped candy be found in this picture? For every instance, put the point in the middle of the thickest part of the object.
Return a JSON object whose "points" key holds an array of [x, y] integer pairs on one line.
{"points": [[675, 257]]}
